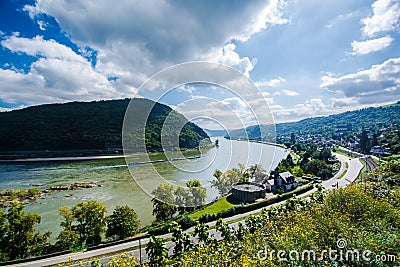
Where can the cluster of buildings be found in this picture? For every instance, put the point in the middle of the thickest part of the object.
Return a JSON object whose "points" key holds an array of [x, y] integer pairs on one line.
{"points": [[344, 135], [250, 191]]}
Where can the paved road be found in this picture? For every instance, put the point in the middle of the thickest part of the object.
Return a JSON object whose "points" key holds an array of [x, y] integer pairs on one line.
{"points": [[352, 172]]}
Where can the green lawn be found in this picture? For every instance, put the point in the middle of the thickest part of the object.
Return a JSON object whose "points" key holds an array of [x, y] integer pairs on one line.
{"points": [[219, 205], [344, 153]]}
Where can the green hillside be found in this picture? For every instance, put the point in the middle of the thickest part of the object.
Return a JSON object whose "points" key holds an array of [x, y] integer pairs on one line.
{"points": [[86, 125], [367, 118]]}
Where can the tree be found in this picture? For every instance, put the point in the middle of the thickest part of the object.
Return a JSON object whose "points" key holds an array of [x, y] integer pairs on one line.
{"points": [[201, 230], [68, 237], [292, 138], [364, 142], [163, 202], [156, 250], [181, 197], [19, 238], [257, 173], [220, 182], [90, 217], [197, 195], [182, 240], [123, 222], [319, 168], [224, 229], [224, 181]]}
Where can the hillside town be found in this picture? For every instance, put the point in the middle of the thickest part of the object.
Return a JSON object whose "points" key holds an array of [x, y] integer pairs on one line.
{"points": [[379, 141]]}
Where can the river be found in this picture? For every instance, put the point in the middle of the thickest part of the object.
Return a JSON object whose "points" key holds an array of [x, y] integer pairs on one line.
{"points": [[119, 188]]}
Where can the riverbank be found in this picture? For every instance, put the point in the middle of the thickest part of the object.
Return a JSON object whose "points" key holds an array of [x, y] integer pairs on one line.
{"points": [[95, 157]]}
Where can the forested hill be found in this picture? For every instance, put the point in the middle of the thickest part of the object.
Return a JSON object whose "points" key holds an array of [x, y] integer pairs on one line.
{"points": [[86, 125], [367, 118]]}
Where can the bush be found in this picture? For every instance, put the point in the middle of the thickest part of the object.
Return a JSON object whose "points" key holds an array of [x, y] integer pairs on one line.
{"points": [[185, 222]]}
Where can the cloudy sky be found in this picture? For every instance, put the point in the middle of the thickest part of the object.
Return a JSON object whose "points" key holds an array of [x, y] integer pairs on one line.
{"points": [[307, 57]]}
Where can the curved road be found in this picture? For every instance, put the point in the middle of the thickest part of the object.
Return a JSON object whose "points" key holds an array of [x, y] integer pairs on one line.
{"points": [[354, 168]]}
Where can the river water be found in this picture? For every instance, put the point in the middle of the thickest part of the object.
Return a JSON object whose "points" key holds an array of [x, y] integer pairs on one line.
{"points": [[119, 186]]}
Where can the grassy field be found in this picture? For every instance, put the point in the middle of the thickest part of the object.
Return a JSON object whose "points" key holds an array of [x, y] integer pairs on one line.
{"points": [[344, 153], [219, 205]]}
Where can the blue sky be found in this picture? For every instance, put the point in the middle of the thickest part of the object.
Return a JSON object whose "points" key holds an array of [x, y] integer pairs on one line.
{"points": [[308, 57]]}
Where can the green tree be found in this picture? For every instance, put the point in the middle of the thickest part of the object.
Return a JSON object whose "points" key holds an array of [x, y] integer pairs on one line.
{"points": [[19, 238], [156, 251], [90, 217], [197, 193], [182, 240], [123, 222], [220, 182], [319, 168], [181, 197], [224, 181], [364, 142], [292, 138], [163, 207], [201, 230], [257, 173], [68, 237], [224, 229]]}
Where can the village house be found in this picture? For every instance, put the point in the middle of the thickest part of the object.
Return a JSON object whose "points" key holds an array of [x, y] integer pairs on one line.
{"points": [[284, 181]]}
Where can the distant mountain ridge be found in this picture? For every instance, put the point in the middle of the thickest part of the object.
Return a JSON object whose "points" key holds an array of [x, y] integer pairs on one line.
{"points": [[87, 125], [367, 118]]}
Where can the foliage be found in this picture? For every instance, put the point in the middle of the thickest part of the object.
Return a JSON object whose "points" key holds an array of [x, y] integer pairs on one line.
{"points": [[352, 214], [18, 194], [163, 197], [223, 181], [367, 118], [239, 209], [123, 222], [90, 125], [318, 168], [123, 260], [86, 219], [285, 164], [18, 236], [201, 231], [166, 201], [182, 240], [197, 194], [156, 251], [185, 221], [66, 239]]}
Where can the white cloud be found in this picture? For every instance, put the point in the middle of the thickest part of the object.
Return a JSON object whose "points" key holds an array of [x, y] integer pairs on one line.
{"points": [[58, 75], [270, 15], [369, 46], [379, 84], [228, 56], [311, 108], [271, 83], [290, 93], [37, 46], [386, 14], [134, 38]]}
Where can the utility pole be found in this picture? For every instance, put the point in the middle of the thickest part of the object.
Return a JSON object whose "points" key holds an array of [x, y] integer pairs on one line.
{"points": [[140, 252]]}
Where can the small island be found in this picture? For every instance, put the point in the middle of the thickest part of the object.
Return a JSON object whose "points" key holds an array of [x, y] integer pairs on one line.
{"points": [[25, 196]]}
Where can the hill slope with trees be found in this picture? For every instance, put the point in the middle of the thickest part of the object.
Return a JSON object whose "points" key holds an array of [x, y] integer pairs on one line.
{"points": [[87, 125], [367, 118]]}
